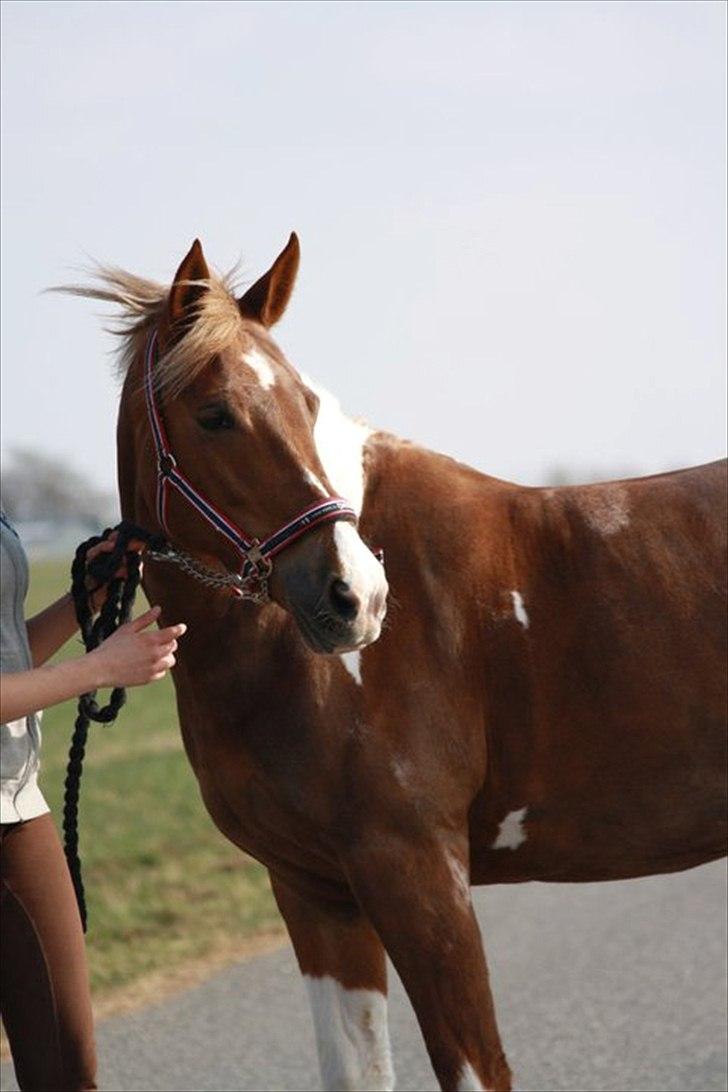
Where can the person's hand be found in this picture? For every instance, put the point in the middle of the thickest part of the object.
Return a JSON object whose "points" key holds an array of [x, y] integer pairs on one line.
{"points": [[98, 592], [136, 654]]}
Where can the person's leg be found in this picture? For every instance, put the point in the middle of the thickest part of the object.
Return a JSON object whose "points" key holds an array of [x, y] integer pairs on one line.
{"points": [[44, 990]]}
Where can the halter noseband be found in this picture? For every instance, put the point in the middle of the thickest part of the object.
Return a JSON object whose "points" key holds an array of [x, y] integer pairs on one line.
{"points": [[256, 556]]}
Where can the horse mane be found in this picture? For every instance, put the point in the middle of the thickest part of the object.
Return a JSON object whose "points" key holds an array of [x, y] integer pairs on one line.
{"points": [[217, 321]]}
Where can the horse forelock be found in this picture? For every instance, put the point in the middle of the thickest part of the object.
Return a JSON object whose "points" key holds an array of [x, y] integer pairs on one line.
{"points": [[216, 322]]}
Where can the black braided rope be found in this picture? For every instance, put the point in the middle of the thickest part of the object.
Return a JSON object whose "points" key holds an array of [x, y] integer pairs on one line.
{"points": [[114, 613]]}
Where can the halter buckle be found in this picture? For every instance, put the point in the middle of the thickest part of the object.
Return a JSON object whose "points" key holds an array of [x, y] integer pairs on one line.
{"points": [[253, 580], [261, 563]]}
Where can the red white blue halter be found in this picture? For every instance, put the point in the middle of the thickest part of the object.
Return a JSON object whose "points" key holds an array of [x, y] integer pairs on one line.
{"points": [[256, 556]]}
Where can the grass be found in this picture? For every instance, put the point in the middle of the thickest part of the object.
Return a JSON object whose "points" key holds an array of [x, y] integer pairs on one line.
{"points": [[163, 886]]}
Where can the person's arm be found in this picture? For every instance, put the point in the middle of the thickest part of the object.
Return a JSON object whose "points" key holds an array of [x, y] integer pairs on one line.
{"points": [[50, 629], [132, 656]]}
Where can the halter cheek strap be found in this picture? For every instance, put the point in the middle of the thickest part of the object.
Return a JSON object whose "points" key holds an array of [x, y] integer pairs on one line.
{"points": [[256, 556]]}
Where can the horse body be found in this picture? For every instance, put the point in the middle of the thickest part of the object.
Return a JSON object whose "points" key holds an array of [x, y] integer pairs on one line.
{"points": [[568, 645], [546, 700]]}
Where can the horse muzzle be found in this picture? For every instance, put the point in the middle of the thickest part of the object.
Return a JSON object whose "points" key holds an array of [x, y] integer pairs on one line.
{"points": [[339, 607], [339, 621]]}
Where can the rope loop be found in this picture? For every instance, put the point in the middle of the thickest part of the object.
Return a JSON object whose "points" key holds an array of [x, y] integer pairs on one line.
{"points": [[116, 610]]}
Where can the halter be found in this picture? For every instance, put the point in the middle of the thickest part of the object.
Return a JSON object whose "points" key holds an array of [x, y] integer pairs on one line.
{"points": [[256, 556]]}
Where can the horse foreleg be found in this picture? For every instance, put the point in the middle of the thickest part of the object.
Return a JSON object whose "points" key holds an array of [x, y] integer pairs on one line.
{"points": [[417, 896], [344, 968]]}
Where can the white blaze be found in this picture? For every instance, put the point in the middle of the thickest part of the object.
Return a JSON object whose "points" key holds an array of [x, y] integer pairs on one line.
{"points": [[340, 445], [261, 366], [364, 574], [511, 833], [351, 1036], [313, 479]]}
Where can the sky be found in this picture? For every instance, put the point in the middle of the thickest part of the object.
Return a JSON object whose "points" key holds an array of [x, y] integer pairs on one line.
{"points": [[512, 215]]}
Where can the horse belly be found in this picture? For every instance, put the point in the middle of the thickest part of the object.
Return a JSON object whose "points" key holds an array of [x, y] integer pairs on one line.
{"points": [[638, 803]]}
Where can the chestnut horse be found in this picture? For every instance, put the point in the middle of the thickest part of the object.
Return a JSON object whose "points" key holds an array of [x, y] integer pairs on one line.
{"points": [[545, 702]]}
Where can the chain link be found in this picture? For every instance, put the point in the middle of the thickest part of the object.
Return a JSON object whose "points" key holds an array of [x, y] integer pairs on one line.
{"points": [[253, 587]]}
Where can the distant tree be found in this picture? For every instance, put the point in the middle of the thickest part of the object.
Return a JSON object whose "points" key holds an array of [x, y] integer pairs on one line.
{"points": [[35, 486]]}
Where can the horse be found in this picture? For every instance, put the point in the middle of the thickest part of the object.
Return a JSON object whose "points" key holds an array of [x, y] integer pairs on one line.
{"points": [[531, 687]]}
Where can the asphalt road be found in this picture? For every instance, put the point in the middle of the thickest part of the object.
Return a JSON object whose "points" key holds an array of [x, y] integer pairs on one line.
{"points": [[606, 986]]}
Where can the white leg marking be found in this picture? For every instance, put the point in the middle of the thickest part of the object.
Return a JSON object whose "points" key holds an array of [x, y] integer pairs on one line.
{"points": [[352, 663], [511, 833], [519, 609], [468, 1080], [261, 366], [351, 1036]]}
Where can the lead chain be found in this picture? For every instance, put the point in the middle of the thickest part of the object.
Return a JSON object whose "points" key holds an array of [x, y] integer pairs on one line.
{"points": [[255, 590]]}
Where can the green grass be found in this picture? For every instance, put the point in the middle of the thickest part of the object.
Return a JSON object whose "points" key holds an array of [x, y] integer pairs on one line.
{"points": [[163, 886]]}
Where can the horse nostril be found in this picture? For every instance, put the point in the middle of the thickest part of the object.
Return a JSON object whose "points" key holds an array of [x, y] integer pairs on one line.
{"points": [[345, 602]]}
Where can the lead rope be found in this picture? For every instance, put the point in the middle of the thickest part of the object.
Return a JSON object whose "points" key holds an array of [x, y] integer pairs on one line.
{"points": [[116, 610]]}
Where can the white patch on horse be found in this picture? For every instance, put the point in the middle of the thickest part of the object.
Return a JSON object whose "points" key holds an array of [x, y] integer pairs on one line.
{"points": [[351, 1036], [461, 878], [402, 769], [314, 480], [352, 663], [261, 366], [511, 833], [364, 574], [340, 445], [519, 609], [605, 508], [468, 1080]]}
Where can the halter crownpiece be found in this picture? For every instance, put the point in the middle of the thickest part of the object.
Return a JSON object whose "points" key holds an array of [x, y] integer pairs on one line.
{"points": [[256, 556]]}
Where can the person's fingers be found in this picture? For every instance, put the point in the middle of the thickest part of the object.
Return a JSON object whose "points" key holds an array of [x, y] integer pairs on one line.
{"points": [[145, 619], [164, 663], [164, 650], [170, 633]]}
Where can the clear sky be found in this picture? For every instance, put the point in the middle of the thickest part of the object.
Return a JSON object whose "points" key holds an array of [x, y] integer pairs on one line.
{"points": [[512, 215]]}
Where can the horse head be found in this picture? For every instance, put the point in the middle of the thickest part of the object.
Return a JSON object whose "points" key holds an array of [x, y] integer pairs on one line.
{"points": [[246, 433]]}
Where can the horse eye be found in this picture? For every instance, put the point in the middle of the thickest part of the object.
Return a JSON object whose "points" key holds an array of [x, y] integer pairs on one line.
{"points": [[217, 419]]}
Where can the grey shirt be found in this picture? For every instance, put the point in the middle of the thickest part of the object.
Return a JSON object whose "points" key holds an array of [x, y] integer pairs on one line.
{"points": [[20, 797]]}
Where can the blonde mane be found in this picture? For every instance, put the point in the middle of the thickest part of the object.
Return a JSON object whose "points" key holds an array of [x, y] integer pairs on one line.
{"points": [[217, 321]]}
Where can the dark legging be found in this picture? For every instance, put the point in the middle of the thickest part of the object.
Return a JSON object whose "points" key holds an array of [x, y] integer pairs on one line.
{"points": [[44, 990]]}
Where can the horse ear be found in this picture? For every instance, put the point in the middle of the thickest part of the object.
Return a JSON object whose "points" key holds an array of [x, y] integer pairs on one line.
{"points": [[268, 298], [183, 295]]}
